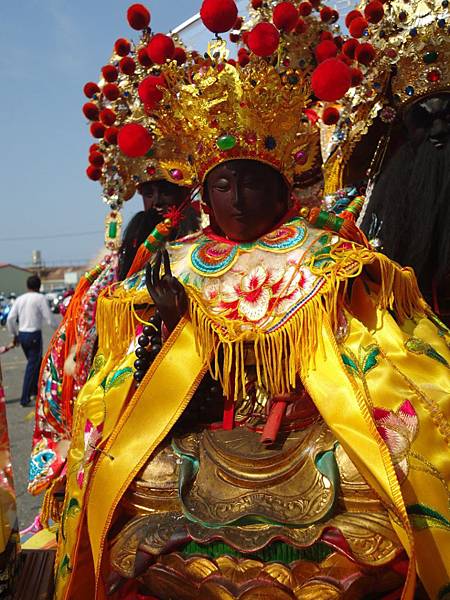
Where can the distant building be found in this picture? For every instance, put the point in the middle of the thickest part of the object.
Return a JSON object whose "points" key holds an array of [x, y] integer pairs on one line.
{"points": [[60, 277], [13, 279]]}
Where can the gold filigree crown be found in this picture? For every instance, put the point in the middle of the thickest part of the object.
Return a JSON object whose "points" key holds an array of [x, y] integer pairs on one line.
{"points": [[250, 112]]}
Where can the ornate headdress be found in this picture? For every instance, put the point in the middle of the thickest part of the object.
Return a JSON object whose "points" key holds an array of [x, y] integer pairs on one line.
{"points": [[406, 58], [258, 107], [119, 108]]}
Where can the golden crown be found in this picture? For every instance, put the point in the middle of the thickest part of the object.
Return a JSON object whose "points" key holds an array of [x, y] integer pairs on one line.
{"points": [[250, 112]]}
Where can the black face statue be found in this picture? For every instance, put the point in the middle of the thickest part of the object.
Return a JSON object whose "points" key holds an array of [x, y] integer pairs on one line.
{"points": [[161, 194], [429, 119], [246, 199]]}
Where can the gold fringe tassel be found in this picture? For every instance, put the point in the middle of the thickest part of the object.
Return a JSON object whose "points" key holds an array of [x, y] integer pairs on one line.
{"points": [[51, 507], [280, 356]]}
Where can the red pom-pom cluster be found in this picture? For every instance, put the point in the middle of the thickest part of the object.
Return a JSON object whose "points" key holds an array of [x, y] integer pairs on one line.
{"points": [[107, 117], [110, 73], [330, 116], [357, 76], [93, 173], [143, 57], [98, 129], [285, 16], [180, 55], [90, 111], [122, 47], [127, 65], [374, 11], [326, 14], [365, 53], [219, 15], [353, 14], [243, 57], [305, 8], [331, 80], [161, 48], [349, 47], [257, 4], [358, 26], [134, 140], [96, 159], [90, 89], [111, 135], [138, 16], [263, 39], [324, 50], [111, 91], [150, 92]]}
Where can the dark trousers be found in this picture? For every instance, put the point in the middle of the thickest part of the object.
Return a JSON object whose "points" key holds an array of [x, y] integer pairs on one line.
{"points": [[31, 343]]}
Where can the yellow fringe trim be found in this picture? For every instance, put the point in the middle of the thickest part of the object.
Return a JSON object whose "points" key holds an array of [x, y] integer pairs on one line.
{"points": [[333, 174], [280, 356]]}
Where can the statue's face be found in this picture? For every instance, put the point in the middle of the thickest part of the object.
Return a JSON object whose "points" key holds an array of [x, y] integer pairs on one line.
{"points": [[161, 194], [429, 118], [246, 199]]}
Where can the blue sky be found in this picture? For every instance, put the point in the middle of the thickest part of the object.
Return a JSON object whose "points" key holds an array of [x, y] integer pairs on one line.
{"points": [[48, 50]]}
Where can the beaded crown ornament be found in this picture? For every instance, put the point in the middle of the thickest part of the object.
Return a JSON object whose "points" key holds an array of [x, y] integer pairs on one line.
{"points": [[258, 107], [126, 154], [409, 60]]}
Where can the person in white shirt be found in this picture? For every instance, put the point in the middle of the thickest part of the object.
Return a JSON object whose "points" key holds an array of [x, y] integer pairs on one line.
{"points": [[25, 320]]}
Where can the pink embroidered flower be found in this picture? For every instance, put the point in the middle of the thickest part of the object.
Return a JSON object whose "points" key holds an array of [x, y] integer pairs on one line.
{"points": [[398, 429], [92, 436]]}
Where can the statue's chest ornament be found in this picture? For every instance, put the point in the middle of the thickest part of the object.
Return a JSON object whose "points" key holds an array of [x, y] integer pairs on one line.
{"points": [[212, 257]]}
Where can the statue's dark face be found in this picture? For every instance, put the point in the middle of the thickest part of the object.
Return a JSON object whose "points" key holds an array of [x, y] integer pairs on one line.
{"points": [[429, 119], [246, 199], [161, 194]]}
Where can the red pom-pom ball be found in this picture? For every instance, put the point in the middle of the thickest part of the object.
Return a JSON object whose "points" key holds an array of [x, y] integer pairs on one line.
{"points": [[365, 53], [98, 129], [134, 140], [93, 173], [90, 111], [324, 50], [374, 11], [257, 4], [301, 26], [107, 116], [149, 90], [161, 48], [94, 148], [122, 47], [243, 59], [111, 135], [326, 14], [338, 40], [285, 16], [330, 116], [219, 15], [238, 23], [180, 55], [326, 35], [353, 14], [111, 91], [349, 47], [110, 73], [305, 8], [138, 16], [331, 80], [263, 39], [143, 57], [357, 76], [90, 89], [358, 26], [127, 65], [96, 159], [345, 59]]}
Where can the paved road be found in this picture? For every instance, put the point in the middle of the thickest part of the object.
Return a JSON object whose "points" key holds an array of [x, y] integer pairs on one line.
{"points": [[20, 423]]}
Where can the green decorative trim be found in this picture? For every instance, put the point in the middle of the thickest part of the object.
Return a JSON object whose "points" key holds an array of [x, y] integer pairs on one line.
{"points": [[424, 517], [275, 552]]}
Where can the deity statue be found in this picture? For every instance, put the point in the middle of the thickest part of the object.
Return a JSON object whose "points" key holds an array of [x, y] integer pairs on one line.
{"points": [[267, 412]]}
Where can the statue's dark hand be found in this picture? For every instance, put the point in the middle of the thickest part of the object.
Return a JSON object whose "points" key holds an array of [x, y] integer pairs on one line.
{"points": [[166, 292]]}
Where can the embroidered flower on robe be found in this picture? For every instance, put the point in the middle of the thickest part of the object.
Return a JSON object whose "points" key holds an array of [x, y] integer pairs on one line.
{"points": [[92, 436], [261, 292], [398, 429]]}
